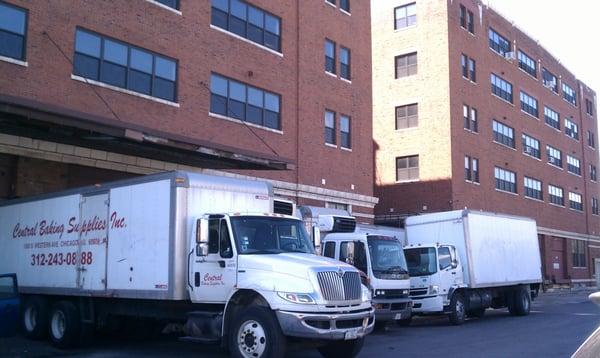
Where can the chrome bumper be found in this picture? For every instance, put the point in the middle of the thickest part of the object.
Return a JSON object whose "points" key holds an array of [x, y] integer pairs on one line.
{"points": [[392, 309], [330, 326]]}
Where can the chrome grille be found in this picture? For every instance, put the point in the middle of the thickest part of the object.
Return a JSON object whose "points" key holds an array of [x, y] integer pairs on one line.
{"points": [[339, 288]]}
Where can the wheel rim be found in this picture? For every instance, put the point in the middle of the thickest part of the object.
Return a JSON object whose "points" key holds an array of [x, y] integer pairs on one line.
{"points": [[460, 309], [30, 318], [58, 324], [525, 303], [252, 340]]}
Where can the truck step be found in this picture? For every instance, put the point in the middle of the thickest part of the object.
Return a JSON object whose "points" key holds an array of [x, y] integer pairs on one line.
{"points": [[199, 340]]}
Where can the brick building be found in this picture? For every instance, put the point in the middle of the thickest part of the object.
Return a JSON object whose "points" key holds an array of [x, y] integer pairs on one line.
{"points": [[470, 111], [94, 90]]}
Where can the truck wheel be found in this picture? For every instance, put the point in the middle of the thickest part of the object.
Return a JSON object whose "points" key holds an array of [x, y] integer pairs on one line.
{"points": [[65, 325], [404, 322], [342, 349], [522, 301], [458, 313], [255, 333], [35, 318]]}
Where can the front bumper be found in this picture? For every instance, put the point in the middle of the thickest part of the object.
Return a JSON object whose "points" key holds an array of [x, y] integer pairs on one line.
{"points": [[429, 304], [392, 309], [330, 326]]}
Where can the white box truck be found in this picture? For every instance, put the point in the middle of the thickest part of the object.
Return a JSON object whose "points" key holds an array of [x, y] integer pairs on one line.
{"points": [[375, 250], [462, 262], [206, 252]]}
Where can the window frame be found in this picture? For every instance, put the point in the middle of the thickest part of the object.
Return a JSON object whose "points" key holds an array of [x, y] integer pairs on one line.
{"points": [[348, 134], [537, 192], [549, 120], [406, 68], [523, 58], [406, 7], [571, 129], [407, 118], [501, 137], [497, 84], [551, 85], [328, 129], [569, 94], [579, 254], [176, 7], [576, 205], [571, 167], [410, 170], [348, 65], [497, 46], [550, 149], [533, 152], [333, 59], [345, 8], [504, 184], [24, 36], [556, 199], [594, 205], [529, 104]]}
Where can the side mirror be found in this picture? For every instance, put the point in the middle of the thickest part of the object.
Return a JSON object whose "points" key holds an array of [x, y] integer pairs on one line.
{"points": [[202, 231], [202, 249], [316, 234], [454, 264]]}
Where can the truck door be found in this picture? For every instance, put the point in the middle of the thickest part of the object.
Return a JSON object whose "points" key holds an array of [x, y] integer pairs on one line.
{"points": [[93, 242], [214, 275], [448, 274], [9, 305]]}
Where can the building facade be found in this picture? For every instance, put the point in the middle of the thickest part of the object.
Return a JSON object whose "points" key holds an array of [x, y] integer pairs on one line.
{"points": [[471, 112], [99, 90]]}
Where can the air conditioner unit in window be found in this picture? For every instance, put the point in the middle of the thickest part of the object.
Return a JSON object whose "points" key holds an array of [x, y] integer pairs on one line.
{"points": [[509, 56], [529, 150], [552, 160], [550, 85]]}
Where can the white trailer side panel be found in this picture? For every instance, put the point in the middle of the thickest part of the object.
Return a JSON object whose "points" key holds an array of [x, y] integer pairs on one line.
{"points": [[139, 238], [502, 250]]}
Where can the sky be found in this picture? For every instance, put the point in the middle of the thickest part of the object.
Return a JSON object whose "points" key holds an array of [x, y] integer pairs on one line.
{"points": [[570, 30]]}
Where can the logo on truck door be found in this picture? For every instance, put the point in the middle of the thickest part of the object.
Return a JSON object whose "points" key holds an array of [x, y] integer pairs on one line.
{"points": [[212, 280]]}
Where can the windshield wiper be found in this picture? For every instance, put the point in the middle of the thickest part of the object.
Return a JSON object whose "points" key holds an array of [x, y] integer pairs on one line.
{"points": [[262, 252]]}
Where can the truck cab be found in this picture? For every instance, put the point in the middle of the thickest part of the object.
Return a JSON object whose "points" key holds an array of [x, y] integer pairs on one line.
{"points": [[381, 258], [435, 272]]}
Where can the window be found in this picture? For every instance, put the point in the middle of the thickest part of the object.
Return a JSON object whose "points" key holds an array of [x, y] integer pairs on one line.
{"points": [[501, 88], [471, 169], [407, 168], [225, 249], [591, 139], [593, 173], [13, 27], [529, 104], [244, 102], [594, 206], [531, 146], [470, 22], [554, 156], [575, 202], [407, 116], [549, 80], [406, 65], [329, 56], [170, 3], [505, 180], [354, 253], [247, 21], [119, 64], [498, 43], [338, 206], [589, 107], [330, 127], [345, 63], [345, 132], [533, 188], [552, 118], [463, 16], [405, 16], [527, 63], [569, 94], [555, 194], [571, 129], [573, 165], [345, 5], [470, 118], [578, 250], [468, 68], [444, 257], [331, 1], [503, 134], [329, 249]]}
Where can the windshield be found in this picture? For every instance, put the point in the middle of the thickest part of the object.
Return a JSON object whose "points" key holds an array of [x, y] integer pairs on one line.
{"points": [[387, 256], [269, 235], [421, 261]]}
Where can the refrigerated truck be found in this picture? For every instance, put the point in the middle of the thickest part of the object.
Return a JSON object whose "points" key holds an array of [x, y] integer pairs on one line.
{"points": [[202, 251], [462, 262]]}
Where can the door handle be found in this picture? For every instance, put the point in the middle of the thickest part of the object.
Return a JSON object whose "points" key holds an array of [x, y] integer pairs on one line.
{"points": [[454, 272], [221, 263]]}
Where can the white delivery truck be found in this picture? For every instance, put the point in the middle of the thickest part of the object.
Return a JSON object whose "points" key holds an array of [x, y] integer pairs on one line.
{"points": [[462, 262], [375, 250], [203, 251]]}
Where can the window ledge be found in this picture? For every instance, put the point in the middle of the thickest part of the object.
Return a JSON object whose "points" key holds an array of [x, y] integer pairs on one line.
{"points": [[575, 174], [14, 61], [556, 129], [532, 157], [472, 182], [591, 148], [555, 166], [557, 205], [503, 100], [405, 28], [331, 74], [330, 4], [504, 145], [533, 199], [575, 139], [572, 105], [331, 145], [346, 80], [549, 89], [345, 12], [530, 115], [407, 181], [470, 131], [346, 149], [577, 211], [246, 40], [175, 11], [235, 120], [124, 90], [527, 73], [506, 192], [406, 129]]}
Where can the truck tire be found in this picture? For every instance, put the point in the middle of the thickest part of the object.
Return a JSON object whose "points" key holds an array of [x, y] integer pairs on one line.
{"points": [[521, 301], [342, 349], [34, 317], [457, 307], [256, 333], [64, 326]]}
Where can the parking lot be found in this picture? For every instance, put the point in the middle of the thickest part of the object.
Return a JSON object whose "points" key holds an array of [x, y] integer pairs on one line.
{"points": [[558, 324]]}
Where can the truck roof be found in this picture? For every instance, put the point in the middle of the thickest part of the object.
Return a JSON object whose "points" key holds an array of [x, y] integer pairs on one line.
{"points": [[455, 215], [359, 235]]}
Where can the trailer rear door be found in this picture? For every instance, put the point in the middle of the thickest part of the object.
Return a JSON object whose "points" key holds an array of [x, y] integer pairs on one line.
{"points": [[93, 241]]}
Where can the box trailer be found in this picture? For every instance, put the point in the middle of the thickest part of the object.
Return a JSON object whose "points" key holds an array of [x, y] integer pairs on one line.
{"points": [[462, 262], [202, 251]]}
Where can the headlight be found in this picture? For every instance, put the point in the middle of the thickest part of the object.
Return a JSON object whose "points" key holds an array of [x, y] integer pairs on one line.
{"points": [[301, 298], [379, 293], [433, 290], [405, 292], [366, 294]]}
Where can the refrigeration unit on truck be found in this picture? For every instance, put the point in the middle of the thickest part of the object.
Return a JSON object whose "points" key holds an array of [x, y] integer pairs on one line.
{"points": [[375, 250], [462, 262], [204, 252]]}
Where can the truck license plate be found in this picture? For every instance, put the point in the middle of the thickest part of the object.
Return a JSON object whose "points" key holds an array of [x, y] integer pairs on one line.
{"points": [[352, 334], [398, 316]]}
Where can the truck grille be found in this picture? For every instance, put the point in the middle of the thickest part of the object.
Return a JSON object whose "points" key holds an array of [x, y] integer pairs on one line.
{"points": [[283, 207], [344, 224], [339, 288], [418, 292]]}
